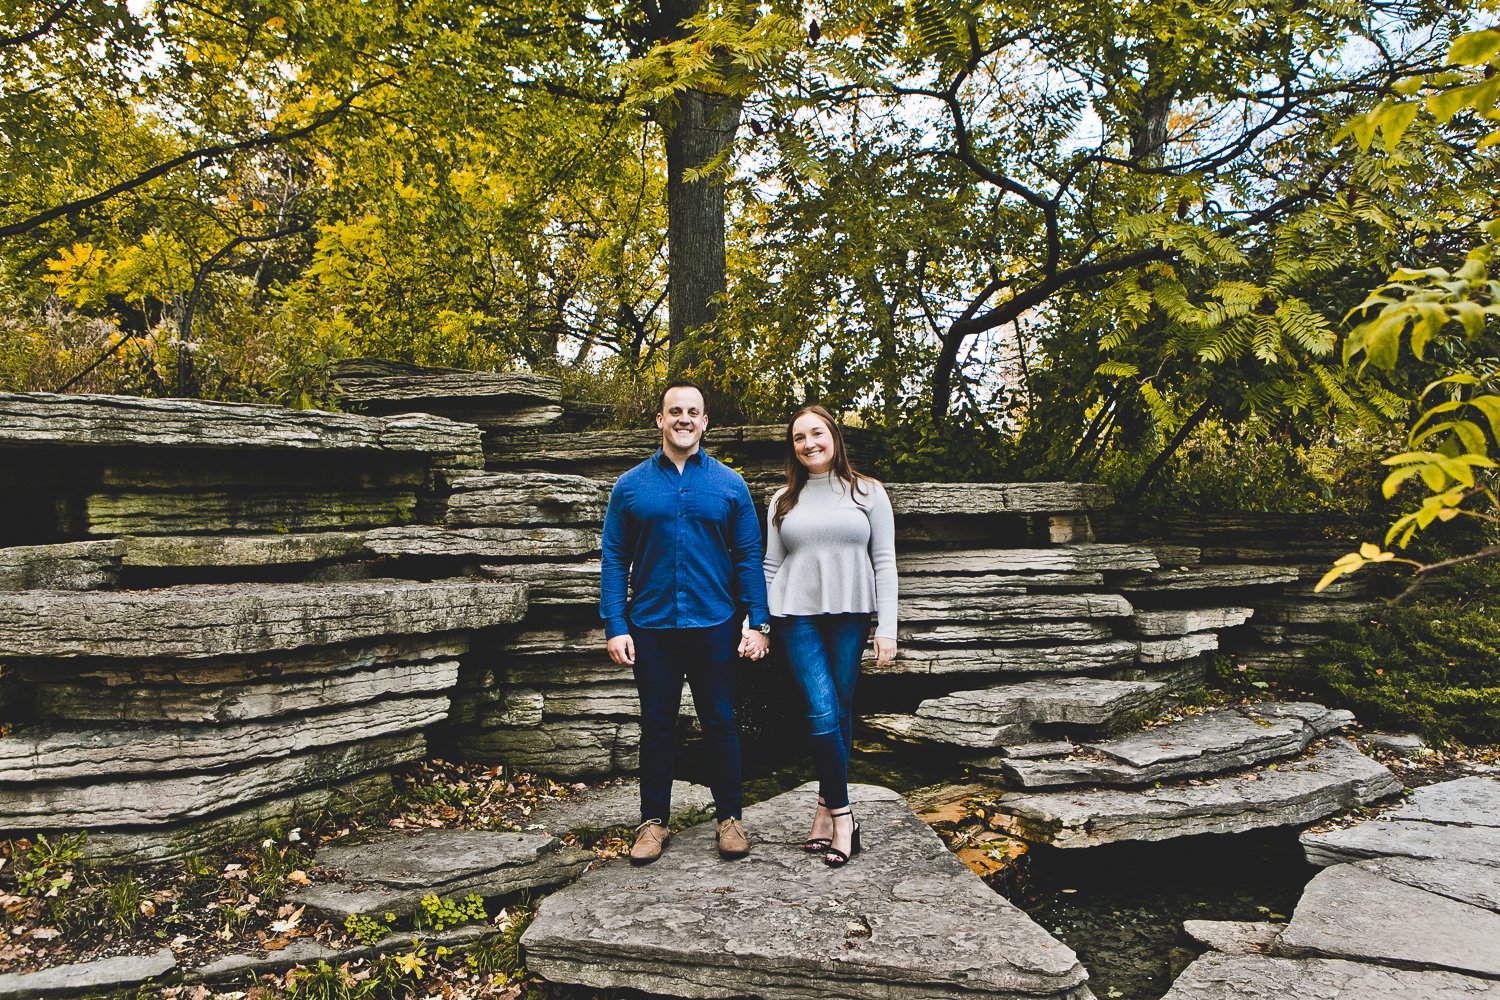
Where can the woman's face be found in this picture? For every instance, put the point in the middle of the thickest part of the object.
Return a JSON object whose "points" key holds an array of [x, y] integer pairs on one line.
{"points": [[813, 444]]}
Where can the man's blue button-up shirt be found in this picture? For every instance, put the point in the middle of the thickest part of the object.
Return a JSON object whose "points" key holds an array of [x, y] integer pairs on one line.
{"points": [[687, 544]]}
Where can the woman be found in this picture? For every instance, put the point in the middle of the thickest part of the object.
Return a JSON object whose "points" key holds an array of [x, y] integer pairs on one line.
{"points": [[830, 563]]}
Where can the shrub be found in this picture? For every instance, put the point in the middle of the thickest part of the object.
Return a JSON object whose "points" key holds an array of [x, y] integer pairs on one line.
{"points": [[1431, 665]]}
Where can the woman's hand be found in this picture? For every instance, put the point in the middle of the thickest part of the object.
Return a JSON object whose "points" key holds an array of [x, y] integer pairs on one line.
{"points": [[885, 650]]}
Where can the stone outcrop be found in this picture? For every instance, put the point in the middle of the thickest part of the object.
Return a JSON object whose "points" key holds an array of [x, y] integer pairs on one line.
{"points": [[1327, 781], [483, 543], [778, 923]]}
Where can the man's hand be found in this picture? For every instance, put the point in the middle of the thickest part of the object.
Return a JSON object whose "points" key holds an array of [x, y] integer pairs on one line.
{"points": [[622, 650], [754, 644], [885, 650]]}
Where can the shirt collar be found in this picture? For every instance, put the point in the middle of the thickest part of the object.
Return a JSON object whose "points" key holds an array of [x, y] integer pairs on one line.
{"points": [[696, 457]]}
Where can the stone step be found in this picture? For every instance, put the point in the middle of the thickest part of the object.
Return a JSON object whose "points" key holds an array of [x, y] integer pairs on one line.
{"points": [[390, 871], [1355, 912], [992, 717], [242, 619], [1455, 820], [1209, 743], [75, 421], [904, 919], [1331, 778], [98, 977]]}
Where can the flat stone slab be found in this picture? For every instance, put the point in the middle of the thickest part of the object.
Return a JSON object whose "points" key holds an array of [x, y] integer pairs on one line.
{"points": [[102, 975], [1349, 912], [241, 550], [1085, 558], [991, 717], [1178, 623], [1457, 820], [1473, 883], [1212, 577], [1210, 743], [508, 499], [74, 421], [993, 607], [1002, 659], [1326, 781], [1235, 937], [905, 918], [204, 620], [1217, 976], [998, 498], [393, 870], [483, 543], [371, 380], [616, 804]]}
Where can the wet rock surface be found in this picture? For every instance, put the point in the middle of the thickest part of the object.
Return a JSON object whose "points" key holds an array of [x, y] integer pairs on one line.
{"points": [[392, 871], [781, 923]]}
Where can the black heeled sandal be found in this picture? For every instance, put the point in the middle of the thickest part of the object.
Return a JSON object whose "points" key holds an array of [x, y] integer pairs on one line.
{"points": [[817, 845], [832, 856]]}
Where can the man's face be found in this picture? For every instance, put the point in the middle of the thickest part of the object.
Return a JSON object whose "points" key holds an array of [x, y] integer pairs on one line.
{"points": [[682, 418]]}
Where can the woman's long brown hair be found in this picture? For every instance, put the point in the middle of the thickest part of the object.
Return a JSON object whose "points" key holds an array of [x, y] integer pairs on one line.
{"points": [[796, 472]]}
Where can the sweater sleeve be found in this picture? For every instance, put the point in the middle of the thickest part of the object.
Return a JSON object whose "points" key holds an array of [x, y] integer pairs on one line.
{"points": [[883, 559], [775, 550]]}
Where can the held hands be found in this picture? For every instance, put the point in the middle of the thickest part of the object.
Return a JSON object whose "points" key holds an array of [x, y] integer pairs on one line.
{"points": [[622, 650], [754, 645], [885, 650]]}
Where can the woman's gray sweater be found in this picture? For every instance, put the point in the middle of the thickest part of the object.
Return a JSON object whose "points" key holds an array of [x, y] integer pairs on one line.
{"points": [[835, 552]]}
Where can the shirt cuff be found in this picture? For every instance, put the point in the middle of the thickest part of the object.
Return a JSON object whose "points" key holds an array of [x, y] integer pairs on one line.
{"points": [[616, 626]]}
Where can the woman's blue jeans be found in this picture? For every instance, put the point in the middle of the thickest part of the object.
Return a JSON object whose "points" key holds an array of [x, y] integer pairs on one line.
{"points": [[824, 653]]}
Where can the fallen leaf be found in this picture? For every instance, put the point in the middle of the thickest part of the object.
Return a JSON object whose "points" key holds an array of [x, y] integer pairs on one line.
{"points": [[282, 926], [300, 877]]}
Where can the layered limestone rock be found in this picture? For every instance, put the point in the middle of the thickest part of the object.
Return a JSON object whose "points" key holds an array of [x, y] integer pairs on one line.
{"points": [[191, 551], [1454, 820], [62, 566], [993, 717], [510, 499], [493, 400], [1209, 743], [390, 871], [988, 499], [483, 543], [776, 923], [1217, 976], [1329, 780], [221, 620]]}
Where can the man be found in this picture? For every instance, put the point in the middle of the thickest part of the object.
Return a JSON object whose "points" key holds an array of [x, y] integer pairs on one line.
{"points": [[682, 533]]}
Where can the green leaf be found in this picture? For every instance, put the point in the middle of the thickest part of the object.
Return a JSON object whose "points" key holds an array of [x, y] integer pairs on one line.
{"points": [[1394, 123], [1475, 47]]}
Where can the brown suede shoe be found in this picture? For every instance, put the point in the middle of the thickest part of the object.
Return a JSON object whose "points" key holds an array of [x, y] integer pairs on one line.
{"points": [[650, 840], [732, 840]]}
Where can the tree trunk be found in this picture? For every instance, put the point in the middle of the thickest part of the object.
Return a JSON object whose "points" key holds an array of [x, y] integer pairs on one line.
{"points": [[702, 128]]}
